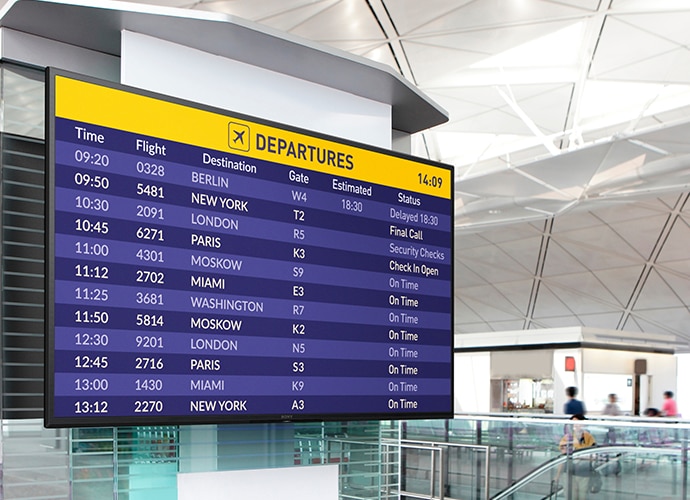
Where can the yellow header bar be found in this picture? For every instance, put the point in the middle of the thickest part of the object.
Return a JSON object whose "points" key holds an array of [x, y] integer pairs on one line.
{"points": [[114, 108]]}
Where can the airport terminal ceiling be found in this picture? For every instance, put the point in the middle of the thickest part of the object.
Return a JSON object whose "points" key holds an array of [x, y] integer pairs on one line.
{"points": [[568, 129]]}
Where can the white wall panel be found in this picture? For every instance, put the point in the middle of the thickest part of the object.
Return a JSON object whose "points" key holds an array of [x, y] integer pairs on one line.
{"points": [[522, 364], [198, 76], [472, 382], [291, 483], [683, 392]]}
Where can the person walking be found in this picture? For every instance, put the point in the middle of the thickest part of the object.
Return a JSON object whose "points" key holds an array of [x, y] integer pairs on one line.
{"points": [[577, 438], [612, 407], [669, 408], [573, 406]]}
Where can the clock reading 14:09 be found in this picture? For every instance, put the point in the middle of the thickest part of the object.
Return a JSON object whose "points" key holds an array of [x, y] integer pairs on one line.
{"points": [[430, 180]]}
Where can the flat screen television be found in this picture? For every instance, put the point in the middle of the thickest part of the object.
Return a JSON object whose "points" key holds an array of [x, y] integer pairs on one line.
{"points": [[209, 267]]}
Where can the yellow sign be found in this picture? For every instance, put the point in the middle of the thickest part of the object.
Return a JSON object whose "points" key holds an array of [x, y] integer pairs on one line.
{"points": [[132, 112]]}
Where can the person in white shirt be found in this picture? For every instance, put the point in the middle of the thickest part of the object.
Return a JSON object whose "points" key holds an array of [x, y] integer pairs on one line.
{"points": [[611, 407]]}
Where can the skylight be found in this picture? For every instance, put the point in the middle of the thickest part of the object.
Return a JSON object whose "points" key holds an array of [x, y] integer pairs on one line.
{"points": [[558, 49]]}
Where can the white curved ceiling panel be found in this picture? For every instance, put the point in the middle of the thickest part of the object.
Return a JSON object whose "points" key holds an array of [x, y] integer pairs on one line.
{"points": [[570, 133]]}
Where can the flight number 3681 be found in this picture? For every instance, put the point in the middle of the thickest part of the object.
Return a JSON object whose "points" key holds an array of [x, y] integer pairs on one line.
{"points": [[150, 299]]}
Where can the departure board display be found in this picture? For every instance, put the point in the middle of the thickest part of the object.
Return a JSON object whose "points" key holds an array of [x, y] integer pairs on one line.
{"points": [[209, 267]]}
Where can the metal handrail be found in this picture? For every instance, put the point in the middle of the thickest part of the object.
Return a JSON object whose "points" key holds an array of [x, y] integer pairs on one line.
{"points": [[437, 446], [481, 447], [585, 452]]}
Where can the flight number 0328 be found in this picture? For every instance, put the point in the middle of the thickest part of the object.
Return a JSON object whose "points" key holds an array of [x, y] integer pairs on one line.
{"points": [[146, 168]]}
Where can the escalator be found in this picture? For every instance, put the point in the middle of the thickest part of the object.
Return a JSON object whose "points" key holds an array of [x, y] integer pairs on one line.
{"points": [[460, 472], [623, 472]]}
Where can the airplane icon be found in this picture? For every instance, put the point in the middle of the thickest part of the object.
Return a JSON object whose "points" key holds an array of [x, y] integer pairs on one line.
{"points": [[238, 136]]}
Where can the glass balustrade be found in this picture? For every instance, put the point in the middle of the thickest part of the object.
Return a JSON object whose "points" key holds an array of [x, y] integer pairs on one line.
{"points": [[520, 458], [468, 457]]}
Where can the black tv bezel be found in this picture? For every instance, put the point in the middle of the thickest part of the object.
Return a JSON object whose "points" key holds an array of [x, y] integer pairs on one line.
{"points": [[103, 420]]}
